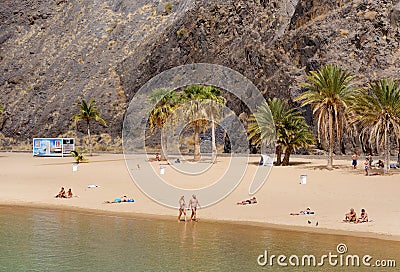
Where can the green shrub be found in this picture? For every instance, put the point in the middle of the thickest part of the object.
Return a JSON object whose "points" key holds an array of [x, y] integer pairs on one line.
{"points": [[78, 156], [167, 8], [182, 32]]}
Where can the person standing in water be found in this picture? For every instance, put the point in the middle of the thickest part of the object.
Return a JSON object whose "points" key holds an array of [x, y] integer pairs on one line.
{"points": [[182, 208], [194, 204]]}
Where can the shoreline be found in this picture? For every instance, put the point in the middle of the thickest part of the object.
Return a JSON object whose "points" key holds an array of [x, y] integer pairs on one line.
{"points": [[329, 193], [258, 224]]}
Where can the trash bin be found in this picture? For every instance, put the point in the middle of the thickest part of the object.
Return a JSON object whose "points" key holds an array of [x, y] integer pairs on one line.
{"points": [[303, 179], [162, 170], [74, 167]]}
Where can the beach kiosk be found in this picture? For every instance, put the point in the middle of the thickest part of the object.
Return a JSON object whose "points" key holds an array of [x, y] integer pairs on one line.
{"points": [[53, 147]]}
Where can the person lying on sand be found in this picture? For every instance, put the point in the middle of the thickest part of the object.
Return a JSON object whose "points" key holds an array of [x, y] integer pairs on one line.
{"points": [[350, 216], [307, 211], [363, 217], [61, 193], [156, 158], [121, 199], [252, 200]]}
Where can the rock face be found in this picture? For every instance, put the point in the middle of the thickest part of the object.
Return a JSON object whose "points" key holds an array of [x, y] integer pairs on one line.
{"points": [[55, 53]]}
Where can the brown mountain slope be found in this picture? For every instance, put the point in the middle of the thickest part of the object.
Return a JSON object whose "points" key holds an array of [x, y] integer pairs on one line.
{"points": [[54, 53]]}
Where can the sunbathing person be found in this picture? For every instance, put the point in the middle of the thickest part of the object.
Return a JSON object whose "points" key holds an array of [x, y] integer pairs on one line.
{"points": [[61, 194], [156, 158], [252, 200], [69, 193], [363, 217], [121, 199], [307, 211], [350, 216]]}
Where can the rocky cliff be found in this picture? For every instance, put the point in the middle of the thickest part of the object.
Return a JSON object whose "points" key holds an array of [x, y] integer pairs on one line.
{"points": [[54, 53]]}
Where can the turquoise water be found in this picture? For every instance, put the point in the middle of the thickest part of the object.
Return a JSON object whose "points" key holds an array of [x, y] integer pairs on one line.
{"points": [[53, 240]]}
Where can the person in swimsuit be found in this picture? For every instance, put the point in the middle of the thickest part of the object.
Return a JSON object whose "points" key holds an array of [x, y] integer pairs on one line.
{"points": [[194, 204], [307, 211], [363, 217], [182, 208], [252, 200], [354, 160], [350, 216], [61, 194], [69, 193], [370, 160], [366, 166]]}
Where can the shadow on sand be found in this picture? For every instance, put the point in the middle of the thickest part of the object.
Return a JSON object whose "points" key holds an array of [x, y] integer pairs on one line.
{"points": [[290, 163]]}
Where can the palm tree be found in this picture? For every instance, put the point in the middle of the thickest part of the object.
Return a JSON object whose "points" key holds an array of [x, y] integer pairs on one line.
{"points": [[283, 115], [260, 124], [198, 95], [212, 95], [201, 99], [297, 134], [377, 111], [329, 91], [88, 112], [291, 130], [166, 101]]}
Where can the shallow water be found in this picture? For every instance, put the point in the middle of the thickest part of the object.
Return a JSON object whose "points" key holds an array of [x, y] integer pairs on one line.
{"points": [[54, 240]]}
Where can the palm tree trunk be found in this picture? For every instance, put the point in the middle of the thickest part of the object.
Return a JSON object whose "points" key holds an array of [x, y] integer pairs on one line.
{"points": [[278, 151], [398, 155], [285, 161], [90, 138], [197, 154], [386, 167], [164, 148], [331, 140], [399, 145], [213, 140]]}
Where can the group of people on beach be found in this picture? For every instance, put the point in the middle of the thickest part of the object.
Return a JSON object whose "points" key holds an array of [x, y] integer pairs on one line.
{"points": [[63, 194], [351, 216], [193, 205], [368, 163]]}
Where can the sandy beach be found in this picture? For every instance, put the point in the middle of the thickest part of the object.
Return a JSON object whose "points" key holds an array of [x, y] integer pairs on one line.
{"points": [[32, 181]]}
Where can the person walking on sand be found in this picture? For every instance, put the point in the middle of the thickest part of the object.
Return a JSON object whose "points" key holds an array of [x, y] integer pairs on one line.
{"points": [[370, 160], [194, 204], [366, 166], [354, 160], [182, 208]]}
